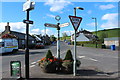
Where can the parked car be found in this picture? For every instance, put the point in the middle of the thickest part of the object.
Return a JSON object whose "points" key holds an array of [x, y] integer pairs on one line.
{"points": [[39, 45]]}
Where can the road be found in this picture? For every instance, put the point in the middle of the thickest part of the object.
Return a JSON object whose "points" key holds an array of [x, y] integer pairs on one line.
{"points": [[102, 60]]}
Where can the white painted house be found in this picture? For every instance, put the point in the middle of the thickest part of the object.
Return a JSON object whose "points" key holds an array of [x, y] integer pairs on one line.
{"points": [[83, 36], [112, 41]]}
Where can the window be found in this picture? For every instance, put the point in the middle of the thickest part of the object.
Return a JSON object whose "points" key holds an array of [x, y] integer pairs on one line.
{"points": [[23, 41], [33, 41], [1, 44]]}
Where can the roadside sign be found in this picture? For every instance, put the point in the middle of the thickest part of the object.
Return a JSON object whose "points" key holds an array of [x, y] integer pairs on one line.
{"points": [[64, 25], [50, 25], [28, 22], [75, 21], [28, 5], [15, 69], [57, 17]]}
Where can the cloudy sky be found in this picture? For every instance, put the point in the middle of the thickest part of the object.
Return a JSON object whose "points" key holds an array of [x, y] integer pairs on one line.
{"points": [[106, 13]]}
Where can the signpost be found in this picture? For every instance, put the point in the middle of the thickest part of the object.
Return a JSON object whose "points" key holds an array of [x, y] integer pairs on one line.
{"points": [[75, 22], [65, 24], [27, 22], [50, 25], [58, 26], [27, 7]]}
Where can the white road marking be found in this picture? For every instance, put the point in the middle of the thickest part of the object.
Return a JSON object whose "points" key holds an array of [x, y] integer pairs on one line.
{"points": [[81, 56], [33, 62], [88, 58], [93, 59], [32, 66]]}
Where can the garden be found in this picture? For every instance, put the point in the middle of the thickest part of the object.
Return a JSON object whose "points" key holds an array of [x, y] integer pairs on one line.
{"points": [[51, 64]]}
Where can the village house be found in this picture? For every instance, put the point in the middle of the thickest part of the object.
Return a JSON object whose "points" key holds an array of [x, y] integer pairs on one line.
{"points": [[20, 37], [84, 35], [112, 41]]}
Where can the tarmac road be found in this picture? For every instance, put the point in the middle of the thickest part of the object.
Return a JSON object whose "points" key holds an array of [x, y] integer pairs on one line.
{"points": [[95, 62]]}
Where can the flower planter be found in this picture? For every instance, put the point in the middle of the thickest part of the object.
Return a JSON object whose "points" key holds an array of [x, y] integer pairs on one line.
{"points": [[48, 67], [67, 67]]}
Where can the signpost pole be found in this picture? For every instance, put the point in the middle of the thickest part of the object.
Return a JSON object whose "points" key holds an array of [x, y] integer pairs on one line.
{"points": [[27, 7], [75, 22], [74, 70], [27, 49], [58, 42]]}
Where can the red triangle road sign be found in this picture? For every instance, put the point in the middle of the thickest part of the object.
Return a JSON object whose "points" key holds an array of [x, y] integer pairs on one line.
{"points": [[75, 21]]}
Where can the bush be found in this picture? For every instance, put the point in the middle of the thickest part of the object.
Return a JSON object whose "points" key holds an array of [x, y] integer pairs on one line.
{"points": [[68, 55], [49, 55]]}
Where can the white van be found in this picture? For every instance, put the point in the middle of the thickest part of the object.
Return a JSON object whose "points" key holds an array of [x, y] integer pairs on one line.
{"points": [[8, 45]]}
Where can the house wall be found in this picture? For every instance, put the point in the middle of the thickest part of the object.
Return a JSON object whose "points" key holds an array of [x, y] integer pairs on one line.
{"points": [[112, 41], [81, 37]]}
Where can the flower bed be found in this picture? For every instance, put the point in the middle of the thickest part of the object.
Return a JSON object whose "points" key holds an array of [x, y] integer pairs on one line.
{"points": [[51, 64]]}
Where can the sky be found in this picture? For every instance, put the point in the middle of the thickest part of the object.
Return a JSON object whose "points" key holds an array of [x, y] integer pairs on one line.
{"points": [[106, 14]]}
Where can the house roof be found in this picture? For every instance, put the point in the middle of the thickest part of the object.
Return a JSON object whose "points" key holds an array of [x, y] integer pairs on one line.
{"points": [[113, 38], [84, 32], [17, 34], [91, 36], [20, 35]]}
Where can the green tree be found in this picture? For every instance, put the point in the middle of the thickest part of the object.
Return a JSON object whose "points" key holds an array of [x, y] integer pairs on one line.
{"points": [[64, 35], [102, 36], [52, 38]]}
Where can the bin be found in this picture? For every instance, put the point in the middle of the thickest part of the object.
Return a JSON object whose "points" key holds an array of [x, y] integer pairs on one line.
{"points": [[103, 46], [15, 69], [112, 47]]}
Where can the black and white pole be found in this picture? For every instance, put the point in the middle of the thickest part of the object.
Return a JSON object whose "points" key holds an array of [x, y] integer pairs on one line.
{"points": [[58, 38]]}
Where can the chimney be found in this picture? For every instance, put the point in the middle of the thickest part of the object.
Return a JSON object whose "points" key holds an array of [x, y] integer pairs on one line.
{"points": [[7, 28]]}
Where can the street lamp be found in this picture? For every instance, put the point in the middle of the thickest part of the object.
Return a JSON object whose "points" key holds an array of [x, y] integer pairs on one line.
{"points": [[74, 66], [95, 29], [77, 8]]}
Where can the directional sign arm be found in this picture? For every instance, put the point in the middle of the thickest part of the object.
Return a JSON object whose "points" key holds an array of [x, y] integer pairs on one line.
{"points": [[64, 25], [50, 25]]}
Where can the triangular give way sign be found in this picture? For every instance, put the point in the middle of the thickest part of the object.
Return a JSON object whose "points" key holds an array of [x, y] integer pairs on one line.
{"points": [[75, 21]]}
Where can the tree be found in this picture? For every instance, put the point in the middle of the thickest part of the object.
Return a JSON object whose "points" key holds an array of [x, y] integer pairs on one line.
{"points": [[52, 38], [102, 36], [64, 35]]}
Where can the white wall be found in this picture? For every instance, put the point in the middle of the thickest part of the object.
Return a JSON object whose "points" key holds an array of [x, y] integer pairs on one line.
{"points": [[81, 37]]}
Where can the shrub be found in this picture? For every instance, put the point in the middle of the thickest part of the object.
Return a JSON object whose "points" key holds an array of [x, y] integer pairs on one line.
{"points": [[49, 55], [68, 55]]}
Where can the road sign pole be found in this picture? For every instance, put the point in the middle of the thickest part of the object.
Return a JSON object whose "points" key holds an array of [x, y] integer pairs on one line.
{"points": [[27, 49], [58, 42], [27, 7], [75, 22], [74, 70]]}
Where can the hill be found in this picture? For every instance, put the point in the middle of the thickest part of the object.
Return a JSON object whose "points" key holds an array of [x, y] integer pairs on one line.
{"points": [[108, 33]]}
